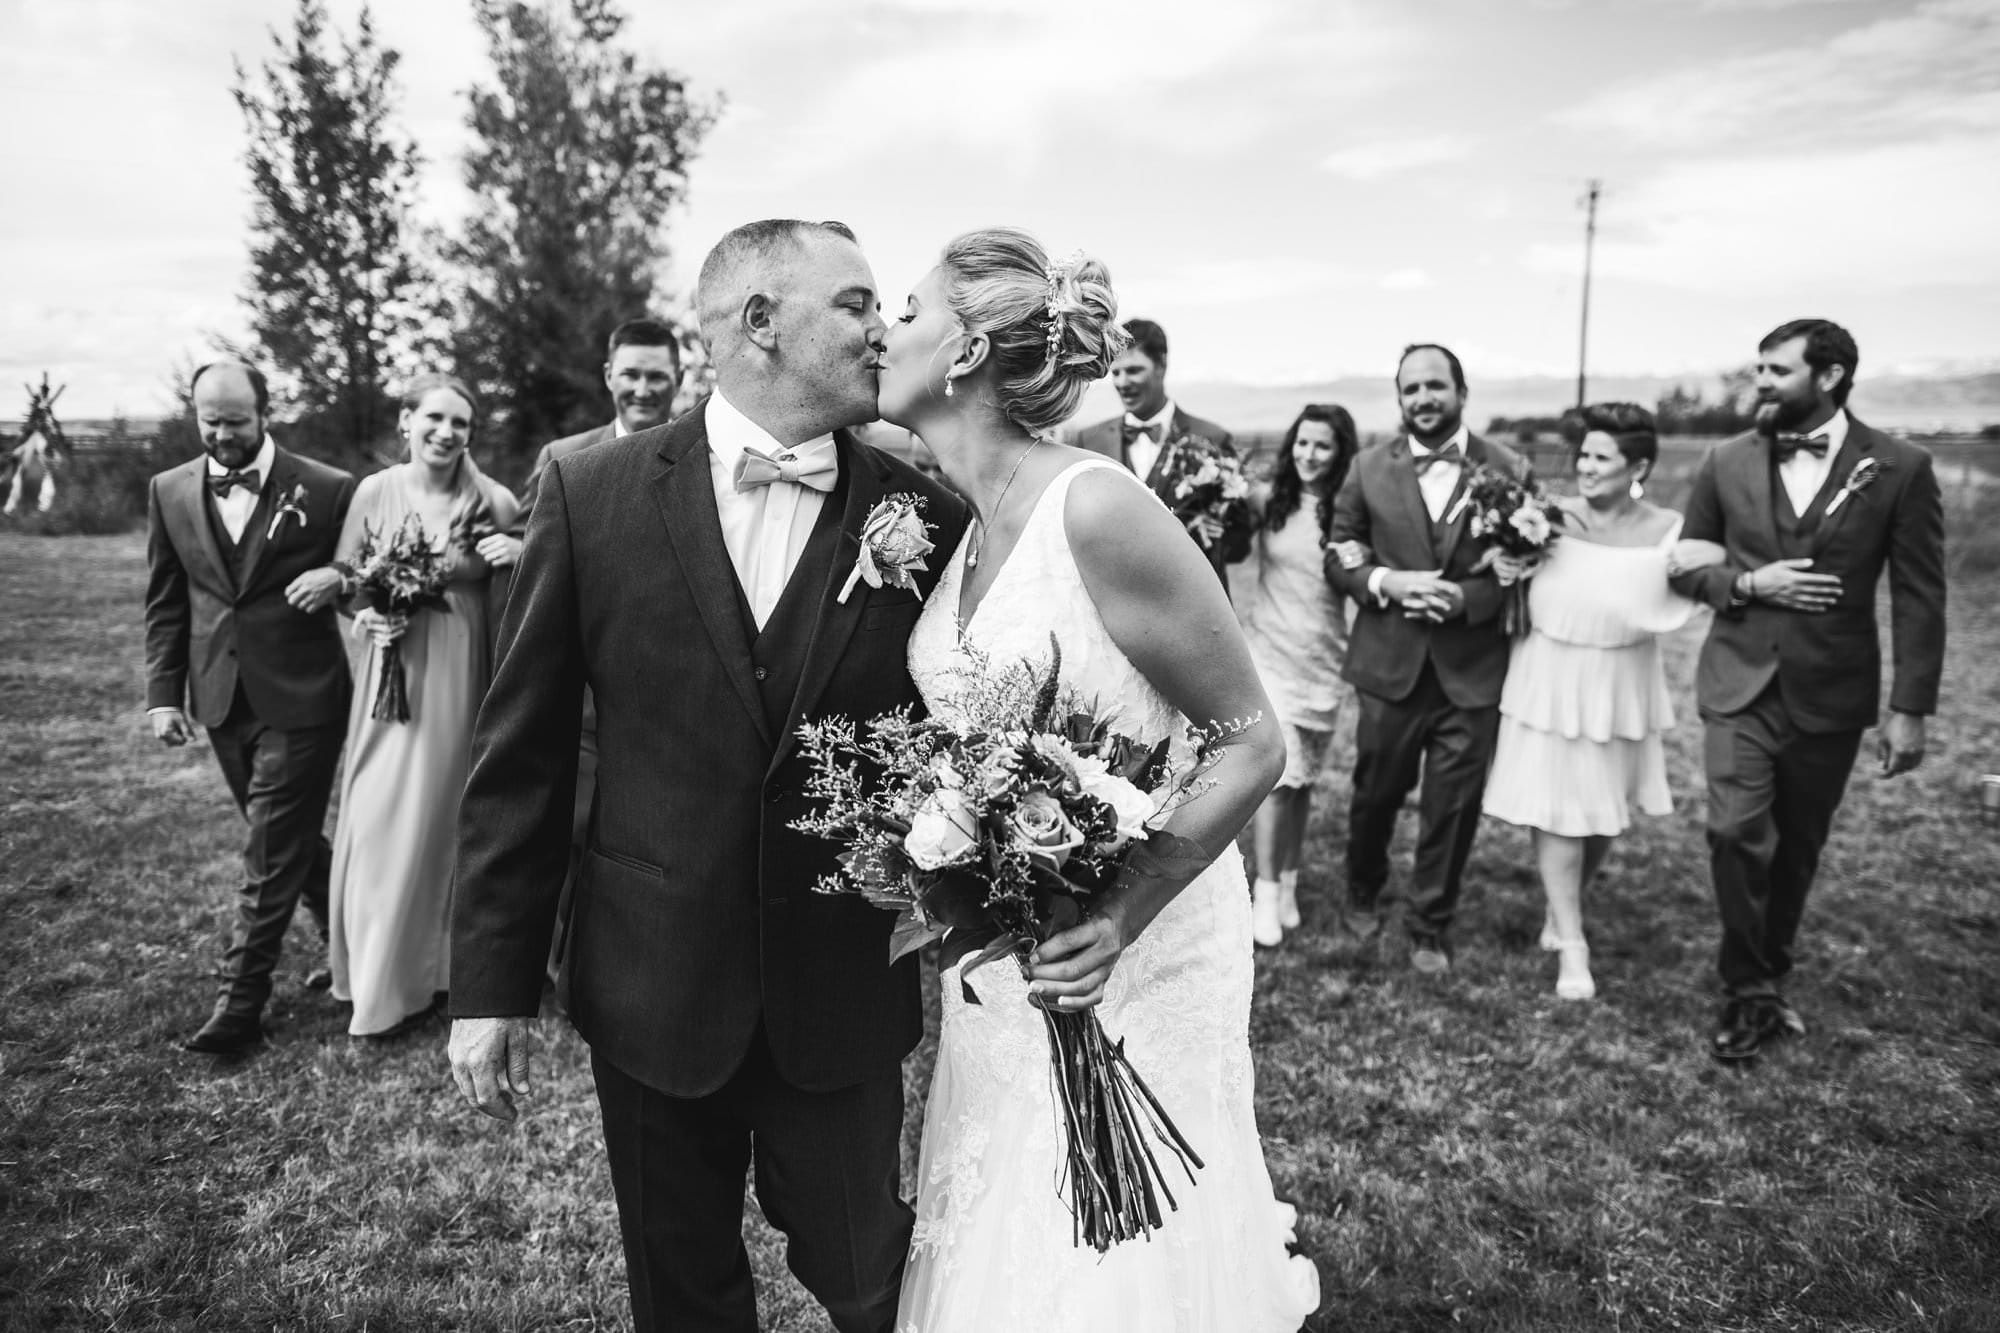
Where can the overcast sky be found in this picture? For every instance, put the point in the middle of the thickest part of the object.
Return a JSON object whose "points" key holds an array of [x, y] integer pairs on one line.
{"points": [[1295, 188]]}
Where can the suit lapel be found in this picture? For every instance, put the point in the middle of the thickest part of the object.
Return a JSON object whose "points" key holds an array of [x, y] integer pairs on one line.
{"points": [[284, 475], [1409, 495], [1475, 454], [867, 483], [685, 496], [191, 506], [1757, 488], [1860, 443]]}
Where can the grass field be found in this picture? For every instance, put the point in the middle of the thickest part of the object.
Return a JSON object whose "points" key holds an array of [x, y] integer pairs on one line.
{"points": [[1467, 1153]]}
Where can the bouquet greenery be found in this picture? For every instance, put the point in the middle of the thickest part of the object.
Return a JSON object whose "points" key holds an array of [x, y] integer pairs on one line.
{"points": [[395, 576], [996, 831]]}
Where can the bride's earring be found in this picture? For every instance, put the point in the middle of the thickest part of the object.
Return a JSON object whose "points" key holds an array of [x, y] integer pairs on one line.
{"points": [[947, 386]]}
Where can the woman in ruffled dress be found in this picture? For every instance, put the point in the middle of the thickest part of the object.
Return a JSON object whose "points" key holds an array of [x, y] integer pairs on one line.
{"points": [[1296, 627], [1586, 701], [393, 844]]}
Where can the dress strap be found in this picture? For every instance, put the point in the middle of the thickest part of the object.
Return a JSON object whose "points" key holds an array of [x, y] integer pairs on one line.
{"points": [[1674, 532]]}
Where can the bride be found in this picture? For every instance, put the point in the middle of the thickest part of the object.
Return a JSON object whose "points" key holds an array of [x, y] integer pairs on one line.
{"points": [[993, 350]]}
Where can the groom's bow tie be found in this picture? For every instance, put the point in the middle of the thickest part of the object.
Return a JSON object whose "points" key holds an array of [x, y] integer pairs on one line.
{"points": [[1149, 431], [757, 468], [246, 477], [1435, 458], [1787, 446]]}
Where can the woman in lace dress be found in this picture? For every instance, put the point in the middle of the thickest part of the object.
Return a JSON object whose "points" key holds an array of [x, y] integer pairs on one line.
{"points": [[392, 847], [1296, 626], [1586, 699], [994, 348]]}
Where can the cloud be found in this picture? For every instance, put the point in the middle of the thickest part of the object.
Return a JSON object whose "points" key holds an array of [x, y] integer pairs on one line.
{"points": [[1882, 219], [1373, 161], [1933, 70], [1405, 280]]}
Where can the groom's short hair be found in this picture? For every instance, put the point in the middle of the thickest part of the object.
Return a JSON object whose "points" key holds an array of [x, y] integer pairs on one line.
{"points": [[747, 250]]}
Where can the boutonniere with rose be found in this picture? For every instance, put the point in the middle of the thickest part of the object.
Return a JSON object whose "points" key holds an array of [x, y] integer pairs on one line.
{"points": [[894, 539], [1864, 475], [292, 506]]}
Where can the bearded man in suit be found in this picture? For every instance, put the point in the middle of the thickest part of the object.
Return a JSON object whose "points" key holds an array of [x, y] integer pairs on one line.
{"points": [[691, 576], [241, 638], [1153, 431], [1811, 507], [1427, 655]]}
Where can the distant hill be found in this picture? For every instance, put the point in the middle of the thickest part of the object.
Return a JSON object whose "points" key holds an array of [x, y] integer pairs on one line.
{"points": [[1899, 402]]}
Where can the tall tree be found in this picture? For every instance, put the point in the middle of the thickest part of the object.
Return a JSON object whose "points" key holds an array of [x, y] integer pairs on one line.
{"points": [[578, 153], [332, 273]]}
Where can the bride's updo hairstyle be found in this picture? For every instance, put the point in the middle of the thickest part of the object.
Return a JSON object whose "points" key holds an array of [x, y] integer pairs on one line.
{"points": [[1053, 324]]}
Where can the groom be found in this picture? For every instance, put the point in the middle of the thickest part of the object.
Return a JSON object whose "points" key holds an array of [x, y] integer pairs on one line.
{"points": [[1811, 508], [690, 576]]}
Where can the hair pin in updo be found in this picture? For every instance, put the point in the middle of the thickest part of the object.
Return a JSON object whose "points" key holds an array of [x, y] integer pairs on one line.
{"points": [[1058, 273]]}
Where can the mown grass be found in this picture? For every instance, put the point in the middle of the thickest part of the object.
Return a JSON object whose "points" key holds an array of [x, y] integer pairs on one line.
{"points": [[1467, 1153]]}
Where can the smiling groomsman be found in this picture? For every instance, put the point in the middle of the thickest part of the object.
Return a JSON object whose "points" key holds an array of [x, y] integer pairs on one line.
{"points": [[642, 369], [1152, 428], [1811, 507], [241, 638], [1426, 656]]}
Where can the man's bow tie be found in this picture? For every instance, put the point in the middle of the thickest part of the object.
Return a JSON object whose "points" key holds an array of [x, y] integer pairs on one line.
{"points": [[1436, 458], [1150, 431], [1787, 446], [756, 468], [246, 477]]}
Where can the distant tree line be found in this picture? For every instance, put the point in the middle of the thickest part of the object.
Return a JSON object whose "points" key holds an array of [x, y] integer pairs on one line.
{"points": [[578, 153]]}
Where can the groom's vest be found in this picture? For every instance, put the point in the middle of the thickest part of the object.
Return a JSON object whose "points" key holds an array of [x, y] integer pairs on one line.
{"points": [[779, 649]]}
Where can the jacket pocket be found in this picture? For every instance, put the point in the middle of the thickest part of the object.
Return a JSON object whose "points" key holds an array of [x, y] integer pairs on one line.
{"points": [[629, 862], [895, 615]]}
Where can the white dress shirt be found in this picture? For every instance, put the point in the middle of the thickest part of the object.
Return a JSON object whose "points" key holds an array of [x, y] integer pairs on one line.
{"points": [[1437, 482], [764, 528], [1803, 474], [1143, 452], [236, 507]]}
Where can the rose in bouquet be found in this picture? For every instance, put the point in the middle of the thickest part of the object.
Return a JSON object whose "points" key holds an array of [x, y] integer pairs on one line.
{"points": [[994, 832], [396, 575], [1516, 520], [1205, 482]]}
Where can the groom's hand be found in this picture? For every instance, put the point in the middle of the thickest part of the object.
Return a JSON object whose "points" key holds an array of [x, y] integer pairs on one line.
{"points": [[489, 1062]]}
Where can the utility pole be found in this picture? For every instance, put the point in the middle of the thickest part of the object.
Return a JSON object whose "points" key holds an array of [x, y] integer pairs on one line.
{"points": [[1583, 333]]}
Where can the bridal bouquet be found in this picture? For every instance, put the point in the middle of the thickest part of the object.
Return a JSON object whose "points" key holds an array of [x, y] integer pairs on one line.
{"points": [[994, 835], [1205, 480], [395, 576], [1514, 519]]}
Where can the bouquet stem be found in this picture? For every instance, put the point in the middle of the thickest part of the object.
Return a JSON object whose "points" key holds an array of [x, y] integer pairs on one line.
{"points": [[392, 694], [1109, 1114], [1514, 619]]}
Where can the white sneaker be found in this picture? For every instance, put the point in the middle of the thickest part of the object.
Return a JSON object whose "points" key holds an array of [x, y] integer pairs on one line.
{"points": [[1264, 925], [1288, 900], [1573, 979]]}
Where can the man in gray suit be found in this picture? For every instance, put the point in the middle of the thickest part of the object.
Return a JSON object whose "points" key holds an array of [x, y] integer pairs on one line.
{"points": [[241, 639]]}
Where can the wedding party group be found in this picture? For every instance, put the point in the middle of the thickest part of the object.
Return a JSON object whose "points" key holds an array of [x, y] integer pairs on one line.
{"points": [[731, 721]]}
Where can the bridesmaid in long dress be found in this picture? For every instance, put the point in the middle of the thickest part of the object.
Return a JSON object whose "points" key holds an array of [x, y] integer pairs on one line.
{"points": [[1296, 627], [1586, 702], [392, 847]]}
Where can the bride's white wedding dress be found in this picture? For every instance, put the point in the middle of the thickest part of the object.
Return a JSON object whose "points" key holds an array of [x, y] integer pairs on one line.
{"points": [[993, 1247]]}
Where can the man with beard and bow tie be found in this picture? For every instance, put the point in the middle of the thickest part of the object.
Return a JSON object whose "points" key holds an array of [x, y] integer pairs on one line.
{"points": [[1153, 431], [241, 637], [1426, 655], [1810, 507]]}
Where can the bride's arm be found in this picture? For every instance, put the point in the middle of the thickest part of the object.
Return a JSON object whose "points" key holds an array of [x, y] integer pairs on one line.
{"points": [[1167, 612]]}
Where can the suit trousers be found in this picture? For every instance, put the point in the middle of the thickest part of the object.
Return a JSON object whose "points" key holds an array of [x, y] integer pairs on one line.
{"points": [[827, 1173], [1397, 741], [1772, 793], [282, 781]]}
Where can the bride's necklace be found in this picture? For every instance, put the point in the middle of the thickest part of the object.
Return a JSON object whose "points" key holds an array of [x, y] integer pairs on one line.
{"points": [[977, 542]]}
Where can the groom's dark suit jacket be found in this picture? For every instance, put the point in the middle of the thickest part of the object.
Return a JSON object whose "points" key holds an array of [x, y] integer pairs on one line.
{"points": [[1828, 664], [216, 614], [1381, 506], [694, 919]]}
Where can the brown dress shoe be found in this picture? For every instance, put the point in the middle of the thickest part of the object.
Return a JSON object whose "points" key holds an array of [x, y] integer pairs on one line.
{"points": [[226, 1034]]}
